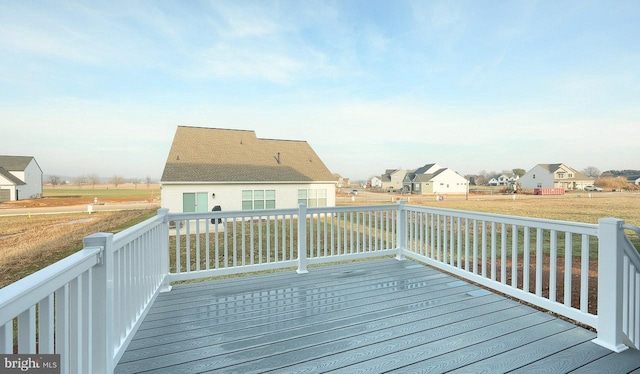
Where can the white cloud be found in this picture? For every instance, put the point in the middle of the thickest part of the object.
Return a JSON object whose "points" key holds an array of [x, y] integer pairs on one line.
{"points": [[224, 61]]}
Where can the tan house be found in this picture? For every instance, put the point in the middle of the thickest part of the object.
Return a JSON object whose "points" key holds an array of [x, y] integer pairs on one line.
{"points": [[555, 176], [341, 182], [392, 179], [221, 169]]}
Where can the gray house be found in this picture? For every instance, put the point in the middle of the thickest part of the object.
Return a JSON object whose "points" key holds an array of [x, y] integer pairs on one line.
{"points": [[20, 178]]}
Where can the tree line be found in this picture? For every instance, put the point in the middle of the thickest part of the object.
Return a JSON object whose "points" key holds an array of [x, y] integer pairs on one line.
{"points": [[93, 179]]}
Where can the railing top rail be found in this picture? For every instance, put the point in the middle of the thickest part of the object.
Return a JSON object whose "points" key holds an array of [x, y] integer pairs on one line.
{"points": [[570, 226], [133, 232], [358, 208], [230, 214], [627, 226], [630, 250], [22, 294]]}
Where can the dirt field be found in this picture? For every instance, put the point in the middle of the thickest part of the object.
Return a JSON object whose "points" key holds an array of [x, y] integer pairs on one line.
{"points": [[30, 243]]}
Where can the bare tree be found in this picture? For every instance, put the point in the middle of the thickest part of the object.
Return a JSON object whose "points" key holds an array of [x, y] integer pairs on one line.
{"points": [[55, 180], [481, 178], [147, 180], [519, 172], [80, 180], [93, 179], [591, 171], [116, 180]]}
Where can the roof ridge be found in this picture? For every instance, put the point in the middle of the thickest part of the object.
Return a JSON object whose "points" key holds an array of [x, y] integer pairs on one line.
{"points": [[214, 128]]}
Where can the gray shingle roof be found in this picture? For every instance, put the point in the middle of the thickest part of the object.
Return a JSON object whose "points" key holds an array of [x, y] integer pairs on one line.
{"points": [[201, 154], [15, 163], [428, 177]]}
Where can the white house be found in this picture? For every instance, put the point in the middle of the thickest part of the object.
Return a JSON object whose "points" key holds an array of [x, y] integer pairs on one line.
{"points": [[434, 179], [20, 178], [555, 176], [634, 179], [210, 168], [503, 180], [375, 182]]}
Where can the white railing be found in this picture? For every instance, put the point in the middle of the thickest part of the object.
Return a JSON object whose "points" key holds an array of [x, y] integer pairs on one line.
{"points": [[619, 302], [212, 244], [88, 306], [519, 256], [48, 312], [631, 290]]}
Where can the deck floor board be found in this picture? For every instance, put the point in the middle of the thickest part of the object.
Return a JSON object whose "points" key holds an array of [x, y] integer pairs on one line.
{"points": [[361, 317]]}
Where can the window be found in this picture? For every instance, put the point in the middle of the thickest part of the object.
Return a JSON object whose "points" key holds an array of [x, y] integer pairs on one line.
{"points": [[560, 175], [312, 198], [195, 202], [570, 175], [258, 199]]}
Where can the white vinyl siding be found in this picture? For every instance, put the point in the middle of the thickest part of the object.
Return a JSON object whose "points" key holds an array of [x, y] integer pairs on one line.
{"points": [[229, 197]]}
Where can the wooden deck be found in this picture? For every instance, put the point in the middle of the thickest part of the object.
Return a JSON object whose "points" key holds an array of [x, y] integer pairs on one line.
{"points": [[372, 316]]}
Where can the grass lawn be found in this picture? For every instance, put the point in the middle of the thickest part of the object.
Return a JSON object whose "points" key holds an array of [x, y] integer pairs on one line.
{"points": [[126, 191]]}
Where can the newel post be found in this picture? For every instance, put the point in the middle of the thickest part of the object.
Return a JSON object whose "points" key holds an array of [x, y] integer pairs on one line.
{"points": [[102, 301], [402, 230], [163, 215], [610, 273], [302, 239]]}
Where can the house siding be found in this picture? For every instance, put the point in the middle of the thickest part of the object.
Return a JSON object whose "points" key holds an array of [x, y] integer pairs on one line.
{"points": [[376, 182], [229, 196], [395, 180], [538, 177], [32, 176]]}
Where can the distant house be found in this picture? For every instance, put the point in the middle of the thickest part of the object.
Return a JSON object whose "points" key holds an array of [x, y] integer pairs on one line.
{"points": [[210, 168], [392, 179], [341, 182], [407, 182], [503, 180], [434, 179], [375, 182], [555, 176], [635, 179], [20, 178]]}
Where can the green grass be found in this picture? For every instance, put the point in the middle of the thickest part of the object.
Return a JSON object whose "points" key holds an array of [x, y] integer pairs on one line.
{"points": [[103, 192]]}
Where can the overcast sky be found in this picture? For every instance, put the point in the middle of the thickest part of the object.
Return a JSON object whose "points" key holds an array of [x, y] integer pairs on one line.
{"points": [[100, 86]]}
